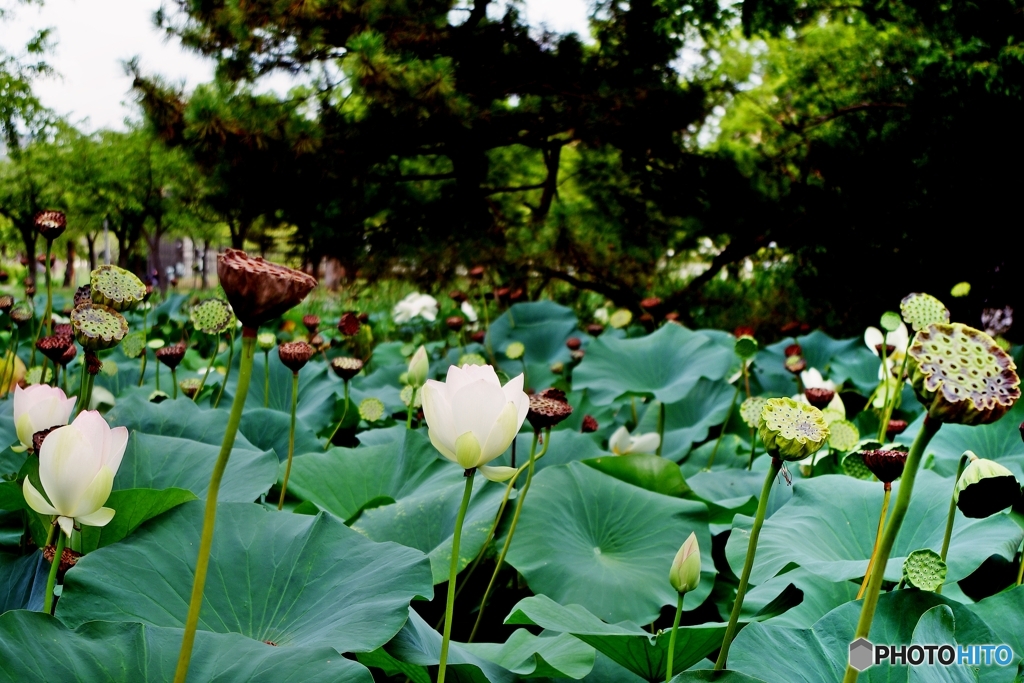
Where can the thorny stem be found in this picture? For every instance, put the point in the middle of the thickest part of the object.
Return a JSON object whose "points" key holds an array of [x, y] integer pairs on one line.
{"points": [[452, 574], [291, 440], [878, 536]]}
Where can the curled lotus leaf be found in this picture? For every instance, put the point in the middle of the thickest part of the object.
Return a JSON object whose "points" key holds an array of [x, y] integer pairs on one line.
{"points": [[961, 375], [924, 569], [921, 310], [98, 327], [750, 410], [116, 288], [371, 409], [133, 344], [212, 316], [843, 435]]}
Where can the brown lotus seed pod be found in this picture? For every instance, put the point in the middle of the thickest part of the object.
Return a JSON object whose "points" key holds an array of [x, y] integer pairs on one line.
{"points": [[589, 424], [40, 436], [796, 364], [346, 368], [22, 313], [69, 355], [573, 343], [312, 323], [479, 336], [171, 355], [30, 290], [68, 559], [886, 465], [895, 428], [51, 224], [190, 386], [6, 302], [650, 303], [793, 350], [455, 323], [595, 329], [295, 355], [819, 397], [64, 330], [458, 296], [83, 295], [319, 343], [93, 364], [349, 324], [546, 410], [54, 347], [577, 355], [259, 290], [476, 272]]}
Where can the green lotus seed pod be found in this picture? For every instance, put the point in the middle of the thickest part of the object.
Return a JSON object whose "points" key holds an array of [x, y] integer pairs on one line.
{"points": [[791, 430], [133, 344], [266, 341], [984, 488], [620, 318], [471, 359], [960, 289], [961, 375], [924, 569], [843, 435], [515, 350], [98, 327], [190, 386], [746, 347], [116, 288], [22, 312], [750, 410], [213, 316], [922, 310], [371, 409], [890, 321], [853, 466]]}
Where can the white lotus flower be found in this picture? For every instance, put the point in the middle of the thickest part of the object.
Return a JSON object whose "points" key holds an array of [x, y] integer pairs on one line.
{"points": [[77, 464], [622, 442], [601, 315], [415, 305], [899, 339], [472, 419], [39, 407], [812, 379], [468, 311]]}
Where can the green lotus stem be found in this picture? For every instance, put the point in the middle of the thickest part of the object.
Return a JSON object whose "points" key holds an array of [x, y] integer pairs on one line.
{"points": [[157, 366], [49, 289], [64, 380], [266, 379], [227, 370], [452, 575], [209, 369], [174, 382], [748, 564], [892, 529], [753, 448], [891, 404], [952, 513], [344, 414], [12, 360], [672, 638], [1020, 570], [409, 409], [878, 536], [291, 440], [142, 367], [210, 515], [883, 424], [718, 441], [512, 528], [51, 579], [661, 426]]}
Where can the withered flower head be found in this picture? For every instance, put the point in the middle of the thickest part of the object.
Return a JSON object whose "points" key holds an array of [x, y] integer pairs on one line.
{"points": [[589, 424], [69, 355], [63, 329], [312, 322], [6, 301], [595, 329], [573, 343], [190, 386], [547, 409], [346, 368], [171, 355], [259, 290], [349, 324], [819, 397], [51, 224], [68, 559], [93, 364], [295, 355], [886, 465], [455, 322], [54, 347], [83, 295]]}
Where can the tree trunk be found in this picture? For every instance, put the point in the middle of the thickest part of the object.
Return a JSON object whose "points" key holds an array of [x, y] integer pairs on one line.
{"points": [[154, 251], [91, 241], [69, 271], [202, 265], [28, 237]]}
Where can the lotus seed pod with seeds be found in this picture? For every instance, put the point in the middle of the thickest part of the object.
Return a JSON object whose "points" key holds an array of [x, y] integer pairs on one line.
{"points": [[172, 355], [22, 313], [311, 323], [960, 289], [266, 341], [295, 355], [887, 465], [791, 430], [69, 355], [98, 327], [54, 347], [349, 324], [853, 466], [961, 375], [50, 224], [924, 570], [212, 316], [133, 344], [371, 409], [750, 410], [921, 310], [116, 288], [455, 322], [515, 350], [346, 368], [409, 395], [843, 435], [589, 424], [6, 302], [895, 428], [259, 290], [890, 321], [190, 386], [471, 359], [984, 488], [547, 410]]}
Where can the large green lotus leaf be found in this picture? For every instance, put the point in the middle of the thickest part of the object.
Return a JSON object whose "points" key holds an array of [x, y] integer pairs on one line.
{"points": [[647, 471], [666, 364], [1004, 614], [583, 405], [819, 597], [837, 359], [22, 581], [131, 508], [565, 447], [841, 515], [530, 656], [180, 418], [380, 659], [780, 654], [290, 579], [725, 676], [995, 441], [688, 420], [625, 643], [419, 644], [938, 625], [318, 389], [267, 430], [36, 648], [542, 327], [587, 538], [10, 461]]}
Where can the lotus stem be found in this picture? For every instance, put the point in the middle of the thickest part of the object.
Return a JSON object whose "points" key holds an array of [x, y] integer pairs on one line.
{"points": [[209, 369], [892, 529], [1020, 569], [12, 360], [48, 318], [210, 515], [952, 513], [512, 528], [878, 536], [344, 414], [748, 564], [409, 409], [753, 448], [51, 579], [227, 370], [266, 381], [883, 424], [291, 440], [452, 575], [891, 404], [718, 441], [142, 366], [672, 638], [661, 426]]}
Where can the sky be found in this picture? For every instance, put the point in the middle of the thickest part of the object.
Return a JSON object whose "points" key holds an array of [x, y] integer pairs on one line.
{"points": [[93, 37]]}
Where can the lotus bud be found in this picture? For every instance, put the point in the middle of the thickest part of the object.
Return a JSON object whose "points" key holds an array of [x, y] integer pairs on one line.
{"points": [[311, 323], [37, 408], [50, 224], [419, 367], [819, 397], [589, 424], [295, 355], [346, 368], [171, 355], [349, 324], [259, 290], [98, 327], [685, 573], [887, 465], [985, 488], [791, 430], [961, 375], [547, 409], [116, 288]]}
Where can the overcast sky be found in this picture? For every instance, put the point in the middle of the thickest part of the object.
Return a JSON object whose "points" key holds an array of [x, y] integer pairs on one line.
{"points": [[93, 37]]}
